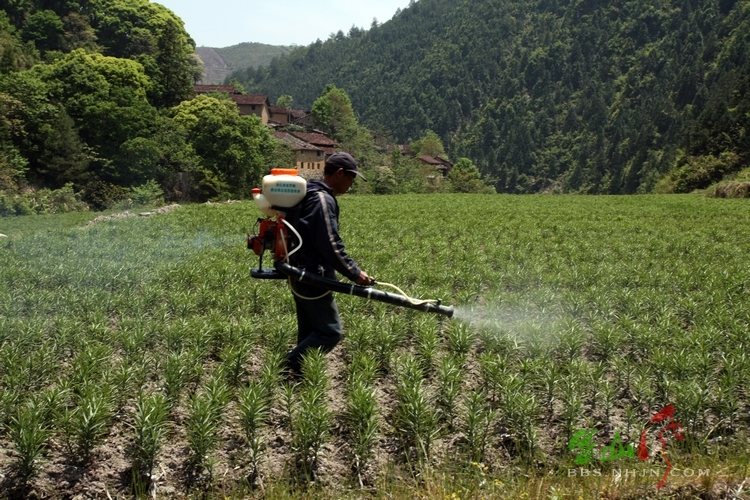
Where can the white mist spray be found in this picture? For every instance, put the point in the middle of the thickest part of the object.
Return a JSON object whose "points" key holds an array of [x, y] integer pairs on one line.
{"points": [[523, 324]]}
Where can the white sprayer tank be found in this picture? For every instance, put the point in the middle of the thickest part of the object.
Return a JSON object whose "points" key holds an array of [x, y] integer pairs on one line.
{"points": [[283, 188]]}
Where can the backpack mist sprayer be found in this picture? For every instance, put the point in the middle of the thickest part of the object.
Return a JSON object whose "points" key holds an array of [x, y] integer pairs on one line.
{"points": [[282, 191]]}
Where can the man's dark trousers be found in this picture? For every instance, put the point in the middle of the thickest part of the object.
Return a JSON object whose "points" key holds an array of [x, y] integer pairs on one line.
{"points": [[318, 323]]}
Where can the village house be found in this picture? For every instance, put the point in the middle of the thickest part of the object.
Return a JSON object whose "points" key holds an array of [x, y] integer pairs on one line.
{"points": [[279, 115], [248, 104], [308, 158], [404, 149], [301, 118], [441, 164], [311, 148], [253, 104], [258, 104], [318, 139]]}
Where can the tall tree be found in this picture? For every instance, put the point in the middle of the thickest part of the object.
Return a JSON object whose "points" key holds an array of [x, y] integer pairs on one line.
{"points": [[12, 163], [234, 149], [285, 100], [105, 97], [45, 30], [429, 145], [334, 113]]}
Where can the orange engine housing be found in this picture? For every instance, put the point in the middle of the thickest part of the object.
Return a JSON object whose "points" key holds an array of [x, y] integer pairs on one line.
{"points": [[273, 235]]}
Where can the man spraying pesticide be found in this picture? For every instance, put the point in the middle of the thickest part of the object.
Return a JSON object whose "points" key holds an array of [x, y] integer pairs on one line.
{"points": [[308, 251]]}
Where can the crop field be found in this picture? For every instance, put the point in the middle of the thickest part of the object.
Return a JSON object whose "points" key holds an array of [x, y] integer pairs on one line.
{"points": [[139, 358]]}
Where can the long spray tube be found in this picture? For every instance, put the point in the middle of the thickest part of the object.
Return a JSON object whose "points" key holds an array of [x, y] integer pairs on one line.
{"points": [[361, 291], [285, 270]]}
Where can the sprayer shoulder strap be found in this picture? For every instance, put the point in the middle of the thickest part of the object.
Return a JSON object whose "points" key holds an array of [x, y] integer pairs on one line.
{"points": [[293, 216], [295, 213]]}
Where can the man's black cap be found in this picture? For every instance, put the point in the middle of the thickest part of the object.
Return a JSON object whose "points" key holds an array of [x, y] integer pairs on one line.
{"points": [[345, 161]]}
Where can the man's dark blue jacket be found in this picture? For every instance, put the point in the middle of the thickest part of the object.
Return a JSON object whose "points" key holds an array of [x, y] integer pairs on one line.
{"points": [[322, 250]]}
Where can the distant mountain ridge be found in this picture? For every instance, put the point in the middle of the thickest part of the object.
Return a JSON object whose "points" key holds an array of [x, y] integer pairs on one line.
{"points": [[218, 63], [215, 68]]}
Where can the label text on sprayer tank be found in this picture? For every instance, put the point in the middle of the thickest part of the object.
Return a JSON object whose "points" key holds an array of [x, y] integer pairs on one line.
{"points": [[282, 187]]}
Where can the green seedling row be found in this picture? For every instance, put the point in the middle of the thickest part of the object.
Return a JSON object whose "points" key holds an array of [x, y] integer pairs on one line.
{"points": [[139, 358]]}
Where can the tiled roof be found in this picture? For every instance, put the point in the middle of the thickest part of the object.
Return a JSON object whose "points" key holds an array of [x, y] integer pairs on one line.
{"points": [[444, 161], [405, 149], [279, 109], [294, 142], [250, 99], [298, 113], [430, 160], [203, 89], [317, 139]]}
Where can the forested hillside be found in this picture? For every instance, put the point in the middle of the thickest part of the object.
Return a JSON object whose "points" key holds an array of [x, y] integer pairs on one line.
{"points": [[580, 95], [95, 98]]}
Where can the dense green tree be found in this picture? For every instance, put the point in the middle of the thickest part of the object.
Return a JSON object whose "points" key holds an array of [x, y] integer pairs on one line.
{"points": [[44, 29], [153, 35], [234, 149], [177, 70], [12, 163], [105, 97], [90, 114], [18, 10], [14, 55], [429, 145], [78, 33], [384, 180], [333, 112], [283, 156], [414, 177], [63, 157], [285, 100], [37, 117], [465, 178], [159, 154]]}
